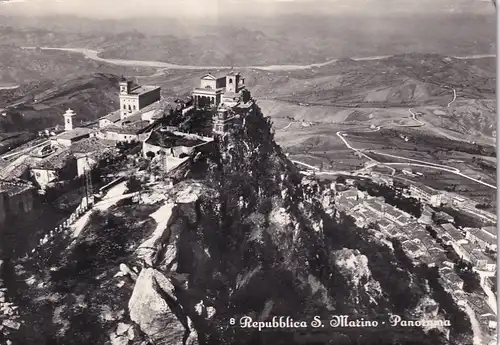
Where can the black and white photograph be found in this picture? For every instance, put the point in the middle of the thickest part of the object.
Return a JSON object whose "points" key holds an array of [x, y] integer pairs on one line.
{"points": [[246, 172]]}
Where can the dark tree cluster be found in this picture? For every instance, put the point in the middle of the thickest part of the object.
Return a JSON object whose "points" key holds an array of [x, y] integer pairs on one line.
{"points": [[462, 268], [483, 206], [393, 196], [460, 325], [133, 185], [471, 279]]}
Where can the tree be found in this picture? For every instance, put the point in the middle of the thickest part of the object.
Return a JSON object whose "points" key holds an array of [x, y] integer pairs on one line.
{"points": [[340, 179], [69, 170], [150, 154], [482, 206], [133, 185], [245, 96]]}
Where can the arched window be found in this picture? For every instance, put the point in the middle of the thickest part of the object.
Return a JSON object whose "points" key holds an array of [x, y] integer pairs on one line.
{"points": [[208, 87], [125, 106], [134, 107], [230, 80]]}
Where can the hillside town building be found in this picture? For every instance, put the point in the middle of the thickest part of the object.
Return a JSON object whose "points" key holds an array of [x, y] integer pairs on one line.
{"points": [[47, 170], [172, 147], [483, 238], [71, 134], [427, 195], [135, 97], [140, 107], [217, 89], [16, 198], [482, 262], [387, 211], [222, 120]]}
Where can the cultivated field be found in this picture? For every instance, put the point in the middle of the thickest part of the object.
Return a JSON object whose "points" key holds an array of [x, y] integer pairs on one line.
{"points": [[442, 180]]}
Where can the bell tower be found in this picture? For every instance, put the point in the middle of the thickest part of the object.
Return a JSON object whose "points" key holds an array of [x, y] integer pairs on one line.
{"points": [[68, 119], [125, 86], [232, 82], [219, 121]]}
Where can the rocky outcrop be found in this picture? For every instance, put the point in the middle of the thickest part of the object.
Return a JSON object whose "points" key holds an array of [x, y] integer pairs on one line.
{"points": [[245, 235], [153, 307], [240, 233]]}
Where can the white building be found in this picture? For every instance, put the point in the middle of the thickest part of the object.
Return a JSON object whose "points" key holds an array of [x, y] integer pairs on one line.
{"points": [[71, 134], [217, 89], [426, 194], [135, 97], [482, 262], [458, 201], [483, 238]]}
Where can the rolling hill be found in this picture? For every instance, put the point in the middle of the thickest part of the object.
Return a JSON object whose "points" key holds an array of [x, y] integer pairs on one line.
{"points": [[384, 88], [412, 79], [21, 66], [280, 37], [41, 105]]}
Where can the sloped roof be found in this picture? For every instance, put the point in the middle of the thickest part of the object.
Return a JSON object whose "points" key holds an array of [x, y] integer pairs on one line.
{"points": [[75, 133], [396, 213], [133, 128], [142, 89], [385, 223], [113, 117], [481, 256], [484, 236], [411, 246], [17, 171], [54, 162], [451, 276], [91, 145], [214, 76], [375, 205], [490, 229], [13, 188]]}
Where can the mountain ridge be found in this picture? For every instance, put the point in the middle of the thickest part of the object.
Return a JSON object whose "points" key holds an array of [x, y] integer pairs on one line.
{"points": [[240, 233]]}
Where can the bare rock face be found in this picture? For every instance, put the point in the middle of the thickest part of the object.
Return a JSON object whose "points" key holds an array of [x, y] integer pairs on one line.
{"points": [[118, 340], [152, 308]]}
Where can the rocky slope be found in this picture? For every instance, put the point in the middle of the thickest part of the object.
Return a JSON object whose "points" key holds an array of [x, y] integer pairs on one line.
{"points": [[240, 233]]}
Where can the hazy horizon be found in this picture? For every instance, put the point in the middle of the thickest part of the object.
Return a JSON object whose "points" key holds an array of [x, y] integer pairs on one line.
{"points": [[214, 9]]}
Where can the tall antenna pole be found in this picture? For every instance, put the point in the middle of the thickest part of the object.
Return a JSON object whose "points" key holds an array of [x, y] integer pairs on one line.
{"points": [[165, 165], [88, 181]]}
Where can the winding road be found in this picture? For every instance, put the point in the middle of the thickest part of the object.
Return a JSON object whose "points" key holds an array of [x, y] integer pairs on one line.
{"points": [[424, 164], [418, 163], [476, 328], [414, 117], [454, 98], [25, 150], [94, 55], [12, 87]]}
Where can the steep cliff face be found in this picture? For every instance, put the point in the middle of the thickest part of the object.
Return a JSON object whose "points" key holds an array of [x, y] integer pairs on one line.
{"points": [[243, 234]]}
